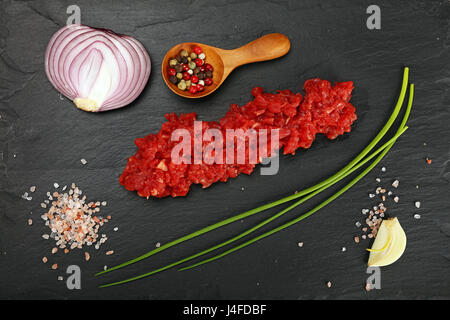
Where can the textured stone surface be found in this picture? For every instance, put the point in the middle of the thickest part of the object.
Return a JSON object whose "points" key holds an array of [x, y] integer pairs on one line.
{"points": [[43, 138]]}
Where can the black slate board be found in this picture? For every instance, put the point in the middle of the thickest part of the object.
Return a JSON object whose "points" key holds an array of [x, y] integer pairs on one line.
{"points": [[43, 138]]}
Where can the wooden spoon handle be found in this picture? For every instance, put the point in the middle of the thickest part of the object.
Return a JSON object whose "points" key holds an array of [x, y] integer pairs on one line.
{"points": [[268, 47]]}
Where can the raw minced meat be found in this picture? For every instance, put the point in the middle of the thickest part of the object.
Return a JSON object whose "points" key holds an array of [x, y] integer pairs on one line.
{"points": [[324, 109]]}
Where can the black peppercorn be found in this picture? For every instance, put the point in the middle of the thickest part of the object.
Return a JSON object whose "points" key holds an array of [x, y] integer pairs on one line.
{"points": [[201, 76], [178, 57], [173, 79], [209, 74], [197, 70], [184, 60], [179, 68]]}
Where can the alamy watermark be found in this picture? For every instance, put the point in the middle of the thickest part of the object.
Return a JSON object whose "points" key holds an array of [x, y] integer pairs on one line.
{"points": [[374, 20], [75, 14], [374, 280], [237, 147], [74, 279]]}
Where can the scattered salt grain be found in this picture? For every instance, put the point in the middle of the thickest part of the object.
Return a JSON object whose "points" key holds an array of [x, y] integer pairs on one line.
{"points": [[396, 199], [32, 188], [358, 224], [378, 180], [329, 284], [56, 185], [45, 236], [395, 183], [417, 216], [115, 229], [300, 244], [83, 161], [371, 195], [383, 169], [60, 278], [417, 204], [365, 211], [105, 268], [344, 249], [158, 245], [110, 252], [30, 222]]}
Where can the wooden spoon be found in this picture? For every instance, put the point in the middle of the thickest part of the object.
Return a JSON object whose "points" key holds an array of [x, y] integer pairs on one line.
{"points": [[267, 47]]}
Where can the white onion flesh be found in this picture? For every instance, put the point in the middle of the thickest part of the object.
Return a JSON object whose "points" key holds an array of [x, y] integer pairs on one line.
{"points": [[97, 69]]}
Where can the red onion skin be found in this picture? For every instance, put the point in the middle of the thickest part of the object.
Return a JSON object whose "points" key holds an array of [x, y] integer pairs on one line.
{"points": [[75, 56]]}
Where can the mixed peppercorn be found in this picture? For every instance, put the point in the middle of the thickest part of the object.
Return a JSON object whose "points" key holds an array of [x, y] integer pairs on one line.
{"points": [[189, 71]]}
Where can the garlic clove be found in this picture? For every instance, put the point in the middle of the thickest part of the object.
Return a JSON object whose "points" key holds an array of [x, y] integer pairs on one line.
{"points": [[389, 244]]}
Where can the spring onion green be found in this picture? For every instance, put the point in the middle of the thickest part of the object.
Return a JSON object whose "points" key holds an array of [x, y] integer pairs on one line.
{"points": [[336, 177]]}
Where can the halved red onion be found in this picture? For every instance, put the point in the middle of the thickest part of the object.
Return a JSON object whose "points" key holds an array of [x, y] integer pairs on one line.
{"points": [[97, 69]]}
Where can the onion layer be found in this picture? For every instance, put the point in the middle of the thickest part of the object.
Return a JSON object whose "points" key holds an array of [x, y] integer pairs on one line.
{"points": [[97, 69]]}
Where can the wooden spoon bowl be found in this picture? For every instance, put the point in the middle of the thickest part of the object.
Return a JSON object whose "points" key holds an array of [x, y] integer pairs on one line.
{"points": [[268, 47]]}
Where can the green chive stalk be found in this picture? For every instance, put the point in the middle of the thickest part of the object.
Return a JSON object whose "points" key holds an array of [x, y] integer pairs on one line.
{"points": [[383, 149], [334, 178]]}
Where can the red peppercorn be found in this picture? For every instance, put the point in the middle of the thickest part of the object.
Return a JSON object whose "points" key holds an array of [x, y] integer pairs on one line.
{"points": [[172, 72], [198, 50], [193, 89], [200, 87], [186, 76], [185, 67], [209, 67], [208, 81], [194, 79], [198, 62]]}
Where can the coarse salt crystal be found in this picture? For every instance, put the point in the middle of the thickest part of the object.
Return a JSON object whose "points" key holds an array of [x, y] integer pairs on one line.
{"points": [[300, 244], [417, 204], [32, 188], [396, 199], [344, 249], [395, 183], [83, 161], [371, 195], [417, 216], [383, 169], [56, 185]]}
